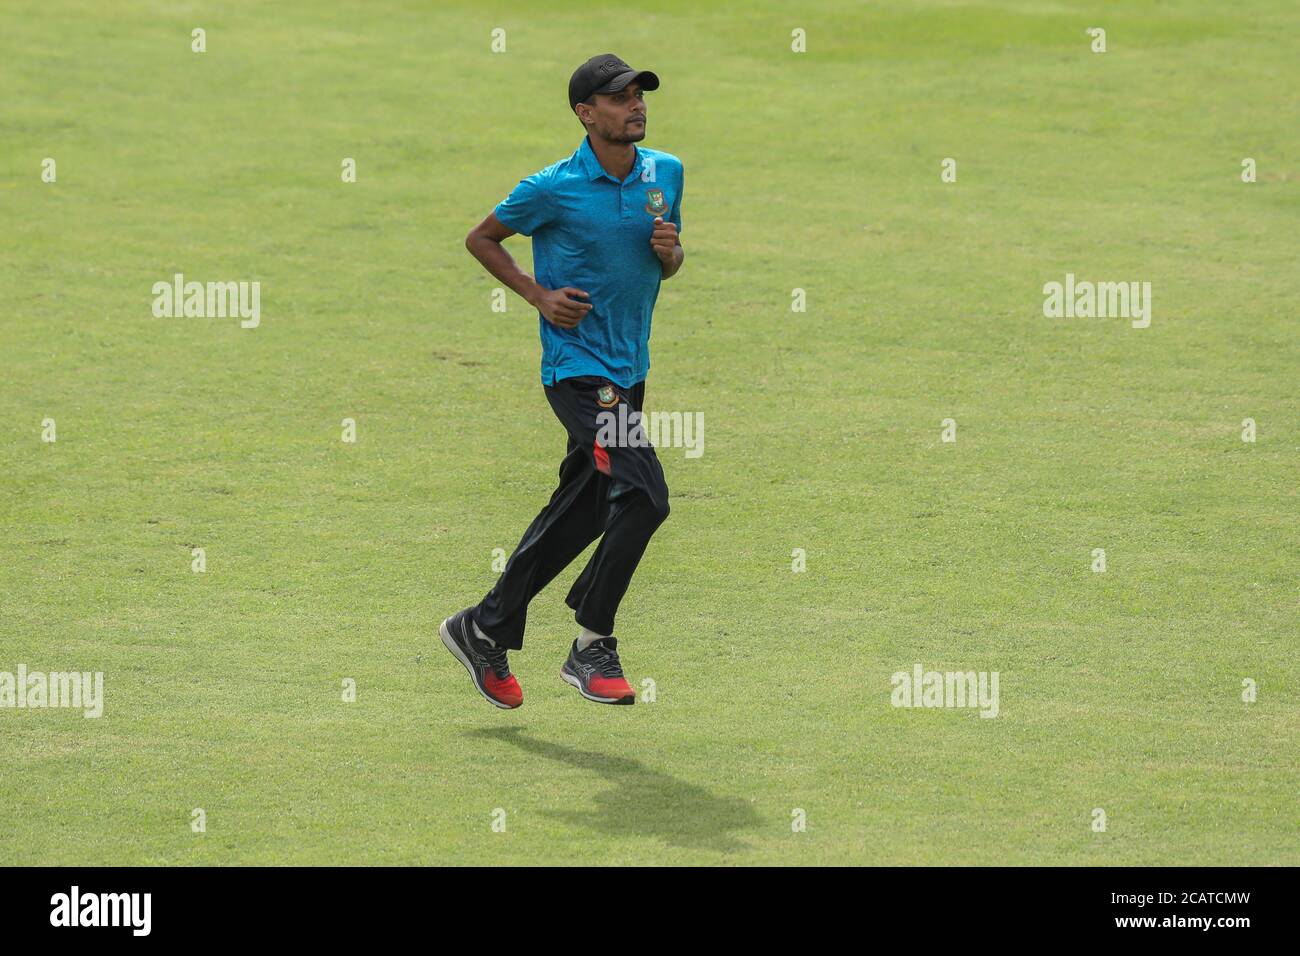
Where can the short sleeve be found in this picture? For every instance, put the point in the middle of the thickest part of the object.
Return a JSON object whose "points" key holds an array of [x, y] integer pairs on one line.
{"points": [[527, 208], [675, 214]]}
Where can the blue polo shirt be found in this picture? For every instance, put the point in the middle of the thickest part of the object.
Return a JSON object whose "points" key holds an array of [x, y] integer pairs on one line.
{"points": [[592, 232]]}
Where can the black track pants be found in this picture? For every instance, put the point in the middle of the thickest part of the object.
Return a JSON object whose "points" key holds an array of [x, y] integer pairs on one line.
{"points": [[612, 488]]}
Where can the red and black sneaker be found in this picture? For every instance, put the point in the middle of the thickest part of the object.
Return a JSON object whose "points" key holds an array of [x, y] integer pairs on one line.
{"points": [[486, 662], [597, 673]]}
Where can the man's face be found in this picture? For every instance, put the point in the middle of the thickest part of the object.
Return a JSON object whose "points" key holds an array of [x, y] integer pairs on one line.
{"points": [[617, 117]]}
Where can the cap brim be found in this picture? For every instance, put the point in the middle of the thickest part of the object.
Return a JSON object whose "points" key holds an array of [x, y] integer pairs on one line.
{"points": [[647, 80]]}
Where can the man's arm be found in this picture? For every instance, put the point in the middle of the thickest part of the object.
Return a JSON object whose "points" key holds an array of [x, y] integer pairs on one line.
{"points": [[667, 245], [484, 243]]}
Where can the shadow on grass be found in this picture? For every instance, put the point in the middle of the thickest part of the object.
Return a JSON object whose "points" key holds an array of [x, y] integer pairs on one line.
{"points": [[643, 801]]}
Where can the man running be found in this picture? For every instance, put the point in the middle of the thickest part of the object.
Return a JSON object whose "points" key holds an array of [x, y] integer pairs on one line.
{"points": [[604, 224]]}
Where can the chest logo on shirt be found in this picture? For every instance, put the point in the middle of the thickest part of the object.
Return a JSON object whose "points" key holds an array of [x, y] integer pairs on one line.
{"points": [[655, 204], [606, 397]]}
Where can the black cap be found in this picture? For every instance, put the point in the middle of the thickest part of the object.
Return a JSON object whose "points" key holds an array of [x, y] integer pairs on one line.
{"points": [[606, 74]]}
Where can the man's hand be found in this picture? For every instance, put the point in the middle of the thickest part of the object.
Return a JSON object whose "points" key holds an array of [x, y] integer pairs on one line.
{"points": [[664, 240], [559, 309]]}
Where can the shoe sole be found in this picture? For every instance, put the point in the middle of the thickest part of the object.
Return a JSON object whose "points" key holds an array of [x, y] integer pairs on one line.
{"points": [[577, 684], [456, 652]]}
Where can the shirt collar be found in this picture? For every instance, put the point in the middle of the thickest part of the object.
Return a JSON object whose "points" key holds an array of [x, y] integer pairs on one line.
{"points": [[587, 156]]}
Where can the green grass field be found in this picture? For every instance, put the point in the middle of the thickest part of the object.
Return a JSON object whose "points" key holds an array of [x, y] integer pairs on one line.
{"points": [[327, 561]]}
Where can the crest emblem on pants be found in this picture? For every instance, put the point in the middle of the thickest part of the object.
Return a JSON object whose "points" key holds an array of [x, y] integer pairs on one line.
{"points": [[606, 397], [655, 204]]}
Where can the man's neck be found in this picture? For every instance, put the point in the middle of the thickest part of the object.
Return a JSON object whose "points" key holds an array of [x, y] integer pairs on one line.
{"points": [[617, 159]]}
